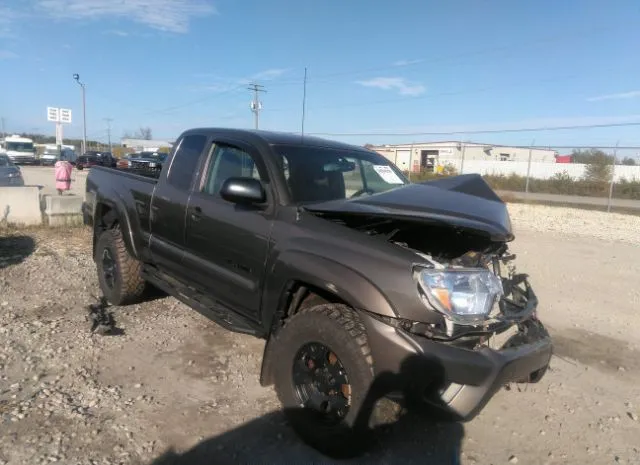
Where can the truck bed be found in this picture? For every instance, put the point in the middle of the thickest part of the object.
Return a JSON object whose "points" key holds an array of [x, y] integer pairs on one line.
{"points": [[128, 191]]}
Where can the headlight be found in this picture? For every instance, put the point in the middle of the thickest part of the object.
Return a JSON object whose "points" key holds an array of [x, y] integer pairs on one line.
{"points": [[14, 175], [465, 296], [152, 165]]}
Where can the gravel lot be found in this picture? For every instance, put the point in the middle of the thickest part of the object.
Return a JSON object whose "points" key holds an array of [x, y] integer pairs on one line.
{"points": [[44, 176], [173, 379]]}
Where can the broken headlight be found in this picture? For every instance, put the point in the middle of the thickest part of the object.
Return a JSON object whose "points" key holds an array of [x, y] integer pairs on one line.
{"points": [[465, 296]]}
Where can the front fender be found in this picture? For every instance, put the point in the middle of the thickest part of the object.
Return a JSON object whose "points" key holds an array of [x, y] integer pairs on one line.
{"points": [[323, 273]]}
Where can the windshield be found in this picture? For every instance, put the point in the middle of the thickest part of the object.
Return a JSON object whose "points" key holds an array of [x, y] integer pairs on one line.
{"points": [[153, 155], [20, 146], [5, 161], [318, 174]]}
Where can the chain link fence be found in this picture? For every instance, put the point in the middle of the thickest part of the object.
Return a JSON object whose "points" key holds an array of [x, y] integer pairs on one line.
{"points": [[605, 177]]}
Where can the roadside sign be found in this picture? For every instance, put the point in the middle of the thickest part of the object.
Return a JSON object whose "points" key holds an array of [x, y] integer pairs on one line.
{"points": [[53, 114], [65, 115]]}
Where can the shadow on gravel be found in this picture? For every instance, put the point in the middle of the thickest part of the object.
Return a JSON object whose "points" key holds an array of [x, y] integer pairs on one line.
{"points": [[595, 350], [415, 438], [14, 249]]}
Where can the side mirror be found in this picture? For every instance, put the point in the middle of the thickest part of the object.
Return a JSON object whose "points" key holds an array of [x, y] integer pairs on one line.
{"points": [[243, 191]]}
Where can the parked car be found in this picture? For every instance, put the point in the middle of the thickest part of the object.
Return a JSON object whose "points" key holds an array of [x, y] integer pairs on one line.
{"points": [[51, 155], [364, 285], [148, 161], [95, 158], [10, 174], [124, 162]]}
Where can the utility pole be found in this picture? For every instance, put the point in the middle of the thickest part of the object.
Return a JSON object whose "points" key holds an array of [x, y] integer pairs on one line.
{"points": [[108, 120], [304, 99], [2, 121], [84, 114], [256, 105]]}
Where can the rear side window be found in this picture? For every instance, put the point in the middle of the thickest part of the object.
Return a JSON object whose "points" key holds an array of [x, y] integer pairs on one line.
{"points": [[185, 161]]}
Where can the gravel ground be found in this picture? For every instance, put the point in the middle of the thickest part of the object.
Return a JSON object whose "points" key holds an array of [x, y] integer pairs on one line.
{"points": [[574, 222], [173, 380]]}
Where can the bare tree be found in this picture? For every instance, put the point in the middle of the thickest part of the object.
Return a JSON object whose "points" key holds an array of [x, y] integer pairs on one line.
{"points": [[144, 133]]}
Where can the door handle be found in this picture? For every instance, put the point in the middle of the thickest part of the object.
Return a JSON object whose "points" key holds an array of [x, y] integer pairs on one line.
{"points": [[196, 214]]}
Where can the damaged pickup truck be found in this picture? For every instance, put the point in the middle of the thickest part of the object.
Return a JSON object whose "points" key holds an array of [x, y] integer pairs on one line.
{"points": [[370, 291]]}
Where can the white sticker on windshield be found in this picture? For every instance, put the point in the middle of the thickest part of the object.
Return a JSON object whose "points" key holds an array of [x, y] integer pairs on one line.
{"points": [[387, 174]]}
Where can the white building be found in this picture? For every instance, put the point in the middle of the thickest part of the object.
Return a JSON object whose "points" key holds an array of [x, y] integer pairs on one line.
{"points": [[427, 155], [140, 145]]}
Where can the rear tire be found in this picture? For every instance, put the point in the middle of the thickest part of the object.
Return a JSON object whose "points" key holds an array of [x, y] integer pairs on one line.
{"points": [[338, 329], [119, 274]]}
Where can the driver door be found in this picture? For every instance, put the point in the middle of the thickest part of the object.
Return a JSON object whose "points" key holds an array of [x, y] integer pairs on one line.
{"points": [[227, 244]]}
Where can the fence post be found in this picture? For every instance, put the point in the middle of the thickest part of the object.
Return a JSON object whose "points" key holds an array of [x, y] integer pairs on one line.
{"points": [[462, 158], [526, 185], [613, 176]]}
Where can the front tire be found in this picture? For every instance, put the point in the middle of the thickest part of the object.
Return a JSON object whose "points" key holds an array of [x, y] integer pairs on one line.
{"points": [[119, 274], [323, 351]]}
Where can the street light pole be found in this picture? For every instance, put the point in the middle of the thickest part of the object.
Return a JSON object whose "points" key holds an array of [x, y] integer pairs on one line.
{"points": [[84, 115]]}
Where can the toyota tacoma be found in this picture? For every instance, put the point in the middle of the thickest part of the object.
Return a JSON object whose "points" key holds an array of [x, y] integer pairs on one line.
{"points": [[369, 290]]}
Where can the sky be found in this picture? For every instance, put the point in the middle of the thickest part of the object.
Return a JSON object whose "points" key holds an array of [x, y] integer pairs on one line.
{"points": [[427, 70]]}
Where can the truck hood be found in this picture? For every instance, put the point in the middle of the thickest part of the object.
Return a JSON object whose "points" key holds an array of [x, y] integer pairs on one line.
{"points": [[464, 201]]}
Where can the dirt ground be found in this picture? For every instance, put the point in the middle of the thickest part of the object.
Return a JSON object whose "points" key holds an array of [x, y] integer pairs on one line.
{"points": [[174, 380]]}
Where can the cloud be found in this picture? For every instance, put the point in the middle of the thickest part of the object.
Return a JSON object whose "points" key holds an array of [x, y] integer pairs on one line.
{"points": [[408, 62], [269, 74], [7, 18], [164, 15], [394, 83], [620, 96], [116, 32], [217, 83], [7, 55]]}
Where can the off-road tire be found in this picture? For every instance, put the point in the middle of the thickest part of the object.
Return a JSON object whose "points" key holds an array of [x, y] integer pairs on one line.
{"points": [[339, 328], [129, 286]]}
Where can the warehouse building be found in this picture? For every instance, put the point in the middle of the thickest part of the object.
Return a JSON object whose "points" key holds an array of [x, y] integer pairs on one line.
{"points": [[427, 156], [141, 145]]}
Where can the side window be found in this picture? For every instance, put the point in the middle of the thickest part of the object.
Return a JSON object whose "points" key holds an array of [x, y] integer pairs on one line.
{"points": [[185, 161], [229, 162]]}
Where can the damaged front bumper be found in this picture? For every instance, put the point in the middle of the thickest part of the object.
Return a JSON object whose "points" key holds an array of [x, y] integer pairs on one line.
{"points": [[457, 380]]}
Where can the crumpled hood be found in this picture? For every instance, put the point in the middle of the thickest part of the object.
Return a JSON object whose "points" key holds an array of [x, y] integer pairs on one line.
{"points": [[464, 201]]}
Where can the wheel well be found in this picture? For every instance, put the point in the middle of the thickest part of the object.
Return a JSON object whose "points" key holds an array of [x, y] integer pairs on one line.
{"points": [[296, 297], [106, 218]]}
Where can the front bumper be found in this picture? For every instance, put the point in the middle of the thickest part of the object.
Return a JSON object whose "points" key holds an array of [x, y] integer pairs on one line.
{"points": [[456, 381], [19, 159], [6, 182]]}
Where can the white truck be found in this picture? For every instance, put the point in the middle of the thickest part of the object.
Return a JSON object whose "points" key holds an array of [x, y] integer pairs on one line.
{"points": [[52, 153], [20, 150]]}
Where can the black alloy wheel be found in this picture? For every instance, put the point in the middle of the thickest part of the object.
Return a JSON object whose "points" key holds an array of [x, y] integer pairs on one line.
{"points": [[321, 382]]}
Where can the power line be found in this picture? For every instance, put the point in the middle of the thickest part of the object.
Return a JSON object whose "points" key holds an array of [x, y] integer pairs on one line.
{"points": [[487, 131], [192, 102]]}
